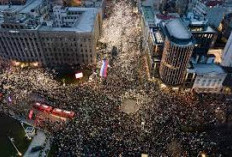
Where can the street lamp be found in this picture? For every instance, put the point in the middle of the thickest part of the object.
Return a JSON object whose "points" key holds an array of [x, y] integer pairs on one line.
{"points": [[12, 142], [25, 132]]}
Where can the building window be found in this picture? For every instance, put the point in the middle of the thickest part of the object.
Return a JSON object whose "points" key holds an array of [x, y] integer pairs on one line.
{"points": [[209, 82], [219, 81], [214, 82], [203, 83]]}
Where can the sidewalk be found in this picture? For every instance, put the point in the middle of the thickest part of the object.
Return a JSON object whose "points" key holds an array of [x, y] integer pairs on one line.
{"points": [[38, 140], [47, 147]]}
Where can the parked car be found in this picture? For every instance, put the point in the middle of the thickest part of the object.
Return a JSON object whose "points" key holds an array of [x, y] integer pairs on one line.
{"points": [[37, 148]]}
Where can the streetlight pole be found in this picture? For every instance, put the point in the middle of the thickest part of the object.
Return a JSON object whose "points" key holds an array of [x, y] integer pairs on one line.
{"points": [[25, 131], [12, 142]]}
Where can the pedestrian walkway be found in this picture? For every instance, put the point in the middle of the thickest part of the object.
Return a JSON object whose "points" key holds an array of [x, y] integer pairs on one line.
{"points": [[38, 140], [47, 147]]}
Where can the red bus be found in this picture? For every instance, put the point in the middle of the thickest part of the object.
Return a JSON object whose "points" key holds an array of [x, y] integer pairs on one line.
{"points": [[42, 107], [63, 113]]}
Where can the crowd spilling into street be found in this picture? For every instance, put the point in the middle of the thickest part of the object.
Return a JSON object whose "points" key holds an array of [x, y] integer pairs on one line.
{"points": [[168, 123]]}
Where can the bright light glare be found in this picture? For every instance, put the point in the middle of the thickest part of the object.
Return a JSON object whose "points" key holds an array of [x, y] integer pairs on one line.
{"points": [[79, 75]]}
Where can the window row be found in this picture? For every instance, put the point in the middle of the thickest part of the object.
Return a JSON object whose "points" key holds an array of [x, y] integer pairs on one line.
{"points": [[208, 82]]}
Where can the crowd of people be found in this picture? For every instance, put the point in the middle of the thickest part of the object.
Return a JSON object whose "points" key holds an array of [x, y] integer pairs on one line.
{"points": [[167, 123]]}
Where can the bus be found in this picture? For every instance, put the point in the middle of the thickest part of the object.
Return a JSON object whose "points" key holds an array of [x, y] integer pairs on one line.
{"points": [[63, 113], [42, 107]]}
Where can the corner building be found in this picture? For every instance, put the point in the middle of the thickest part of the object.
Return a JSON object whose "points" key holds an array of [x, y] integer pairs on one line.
{"points": [[65, 36], [177, 51]]}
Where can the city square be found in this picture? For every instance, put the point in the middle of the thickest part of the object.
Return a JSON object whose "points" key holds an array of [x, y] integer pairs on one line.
{"points": [[116, 106]]}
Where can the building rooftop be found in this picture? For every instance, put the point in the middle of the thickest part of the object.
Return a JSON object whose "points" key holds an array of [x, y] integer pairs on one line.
{"points": [[148, 13], [80, 3], [157, 36], [85, 22], [213, 3], [147, 2], [197, 23], [30, 4], [159, 17], [13, 2], [33, 15], [178, 30], [208, 69]]}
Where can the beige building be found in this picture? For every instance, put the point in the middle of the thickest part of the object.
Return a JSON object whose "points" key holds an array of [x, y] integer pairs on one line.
{"points": [[67, 36]]}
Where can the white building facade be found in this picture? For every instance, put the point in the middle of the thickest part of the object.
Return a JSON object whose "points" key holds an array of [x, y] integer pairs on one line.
{"points": [[209, 78]]}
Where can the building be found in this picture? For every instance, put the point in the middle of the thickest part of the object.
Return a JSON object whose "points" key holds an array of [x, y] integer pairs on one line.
{"points": [[211, 10], [154, 4], [209, 78], [205, 76], [215, 16], [12, 2], [226, 26], [227, 53], [181, 6], [67, 36], [99, 4], [177, 51], [179, 47], [204, 34], [158, 39]]}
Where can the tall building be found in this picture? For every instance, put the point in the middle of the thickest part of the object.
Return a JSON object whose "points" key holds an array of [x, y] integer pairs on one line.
{"points": [[212, 10], [179, 48], [177, 51], [204, 34], [227, 53], [67, 36]]}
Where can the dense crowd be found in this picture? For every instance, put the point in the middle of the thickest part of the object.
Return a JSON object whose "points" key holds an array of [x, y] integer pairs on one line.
{"points": [[168, 123]]}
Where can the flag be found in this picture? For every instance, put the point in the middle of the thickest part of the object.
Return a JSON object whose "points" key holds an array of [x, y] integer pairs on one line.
{"points": [[30, 114], [9, 99], [103, 71]]}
